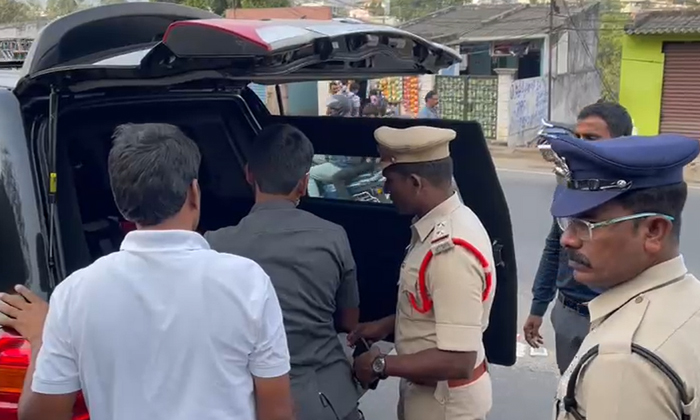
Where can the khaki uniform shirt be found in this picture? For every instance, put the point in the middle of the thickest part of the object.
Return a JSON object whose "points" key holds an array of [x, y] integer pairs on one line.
{"points": [[455, 281], [660, 311]]}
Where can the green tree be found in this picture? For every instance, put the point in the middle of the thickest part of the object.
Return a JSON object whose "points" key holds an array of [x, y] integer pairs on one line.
{"points": [[57, 8], [105, 2], [609, 59], [259, 4], [200, 4], [375, 8], [219, 6], [406, 10], [12, 11]]}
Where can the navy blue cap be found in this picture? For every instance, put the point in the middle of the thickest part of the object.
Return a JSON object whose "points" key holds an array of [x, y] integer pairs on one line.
{"points": [[592, 173]]}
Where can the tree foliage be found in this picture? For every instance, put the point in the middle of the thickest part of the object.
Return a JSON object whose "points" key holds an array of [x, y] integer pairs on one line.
{"points": [[609, 59], [376, 8], [12, 11], [406, 10], [220, 6], [259, 4], [57, 8]]}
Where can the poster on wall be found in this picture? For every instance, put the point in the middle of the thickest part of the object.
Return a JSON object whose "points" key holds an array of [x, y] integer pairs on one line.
{"points": [[392, 89], [411, 88]]}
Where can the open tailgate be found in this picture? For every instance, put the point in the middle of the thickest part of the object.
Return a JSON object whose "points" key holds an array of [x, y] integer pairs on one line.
{"points": [[167, 41]]}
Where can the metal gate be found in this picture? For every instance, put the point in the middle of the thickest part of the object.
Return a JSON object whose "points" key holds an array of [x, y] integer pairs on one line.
{"points": [[469, 98], [680, 95]]}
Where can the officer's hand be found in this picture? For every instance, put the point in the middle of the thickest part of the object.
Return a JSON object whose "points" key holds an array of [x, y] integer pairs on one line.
{"points": [[363, 367], [531, 329], [24, 313], [370, 331]]}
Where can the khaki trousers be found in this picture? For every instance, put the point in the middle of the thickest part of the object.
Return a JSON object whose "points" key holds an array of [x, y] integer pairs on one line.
{"points": [[468, 402]]}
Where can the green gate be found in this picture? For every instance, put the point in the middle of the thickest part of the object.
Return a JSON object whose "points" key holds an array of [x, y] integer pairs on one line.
{"points": [[469, 98]]}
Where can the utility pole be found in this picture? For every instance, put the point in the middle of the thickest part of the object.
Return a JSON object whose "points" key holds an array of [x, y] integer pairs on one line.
{"points": [[550, 60]]}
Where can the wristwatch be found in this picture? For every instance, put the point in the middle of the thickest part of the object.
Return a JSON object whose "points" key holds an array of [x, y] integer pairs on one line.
{"points": [[379, 366]]}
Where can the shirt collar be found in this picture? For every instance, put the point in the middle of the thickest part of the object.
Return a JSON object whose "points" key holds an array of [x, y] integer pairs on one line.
{"points": [[280, 204], [163, 240], [611, 300], [426, 224]]}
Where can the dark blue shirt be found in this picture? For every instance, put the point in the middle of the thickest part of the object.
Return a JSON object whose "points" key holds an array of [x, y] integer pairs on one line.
{"points": [[554, 273]]}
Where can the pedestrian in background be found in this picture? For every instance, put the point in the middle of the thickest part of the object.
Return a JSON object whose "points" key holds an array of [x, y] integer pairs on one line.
{"points": [[570, 315], [430, 110]]}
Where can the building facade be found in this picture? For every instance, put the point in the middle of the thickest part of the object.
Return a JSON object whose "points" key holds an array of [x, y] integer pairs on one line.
{"points": [[660, 73]]}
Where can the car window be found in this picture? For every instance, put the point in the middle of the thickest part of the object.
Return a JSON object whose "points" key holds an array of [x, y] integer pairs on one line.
{"points": [[351, 178], [347, 178]]}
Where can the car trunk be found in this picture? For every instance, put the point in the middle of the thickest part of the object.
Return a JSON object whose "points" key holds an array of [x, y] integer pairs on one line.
{"points": [[177, 57], [224, 125]]}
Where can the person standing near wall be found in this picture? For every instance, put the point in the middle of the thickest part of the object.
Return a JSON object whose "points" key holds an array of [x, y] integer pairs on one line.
{"points": [[429, 111], [570, 316]]}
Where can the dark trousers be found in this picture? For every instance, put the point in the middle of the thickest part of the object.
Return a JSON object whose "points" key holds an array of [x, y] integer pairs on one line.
{"points": [[570, 328]]}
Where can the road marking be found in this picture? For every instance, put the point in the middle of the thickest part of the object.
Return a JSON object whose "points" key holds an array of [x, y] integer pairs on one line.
{"points": [[532, 172], [524, 171]]}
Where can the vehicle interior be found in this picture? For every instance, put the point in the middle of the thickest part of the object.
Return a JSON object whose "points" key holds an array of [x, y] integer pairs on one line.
{"points": [[224, 126], [91, 226]]}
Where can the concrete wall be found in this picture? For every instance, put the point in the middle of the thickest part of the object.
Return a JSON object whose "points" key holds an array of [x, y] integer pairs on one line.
{"points": [[527, 107], [641, 78], [22, 30], [581, 85]]}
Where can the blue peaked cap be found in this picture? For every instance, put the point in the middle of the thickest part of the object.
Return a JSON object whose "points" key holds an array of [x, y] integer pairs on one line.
{"points": [[595, 172]]}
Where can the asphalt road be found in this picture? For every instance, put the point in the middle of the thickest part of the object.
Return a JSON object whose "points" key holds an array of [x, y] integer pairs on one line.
{"points": [[525, 391]]}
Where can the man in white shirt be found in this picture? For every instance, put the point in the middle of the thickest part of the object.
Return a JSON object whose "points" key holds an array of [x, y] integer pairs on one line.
{"points": [[166, 328]]}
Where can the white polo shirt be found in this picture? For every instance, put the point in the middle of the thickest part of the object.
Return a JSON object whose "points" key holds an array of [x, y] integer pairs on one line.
{"points": [[165, 329]]}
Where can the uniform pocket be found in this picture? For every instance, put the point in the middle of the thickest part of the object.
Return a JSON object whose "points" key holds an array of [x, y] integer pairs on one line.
{"points": [[471, 401]]}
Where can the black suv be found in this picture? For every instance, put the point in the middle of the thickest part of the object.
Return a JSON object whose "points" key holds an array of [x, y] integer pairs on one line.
{"points": [[92, 70]]}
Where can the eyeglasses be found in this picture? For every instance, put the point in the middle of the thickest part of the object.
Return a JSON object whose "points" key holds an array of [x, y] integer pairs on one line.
{"points": [[583, 229]]}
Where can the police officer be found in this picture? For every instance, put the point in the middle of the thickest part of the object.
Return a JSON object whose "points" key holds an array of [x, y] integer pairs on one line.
{"points": [[619, 204], [446, 286]]}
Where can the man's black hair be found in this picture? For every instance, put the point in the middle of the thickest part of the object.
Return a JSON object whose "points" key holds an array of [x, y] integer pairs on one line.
{"points": [[430, 95], [668, 200], [151, 167], [438, 172], [615, 116], [371, 109], [280, 157]]}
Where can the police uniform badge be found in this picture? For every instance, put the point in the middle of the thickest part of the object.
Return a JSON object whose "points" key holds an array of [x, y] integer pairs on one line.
{"points": [[441, 240]]}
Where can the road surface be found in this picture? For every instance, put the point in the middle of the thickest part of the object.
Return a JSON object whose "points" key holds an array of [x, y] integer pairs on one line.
{"points": [[525, 391]]}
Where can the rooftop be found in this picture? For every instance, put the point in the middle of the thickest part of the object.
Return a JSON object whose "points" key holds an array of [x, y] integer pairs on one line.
{"points": [[665, 22], [488, 21]]}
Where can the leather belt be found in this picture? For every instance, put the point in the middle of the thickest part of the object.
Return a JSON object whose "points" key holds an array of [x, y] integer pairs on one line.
{"points": [[574, 305], [455, 383]]}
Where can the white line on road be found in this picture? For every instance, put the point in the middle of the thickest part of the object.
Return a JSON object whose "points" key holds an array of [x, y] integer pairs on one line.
{"points": [[524, 171], [531, 172]]}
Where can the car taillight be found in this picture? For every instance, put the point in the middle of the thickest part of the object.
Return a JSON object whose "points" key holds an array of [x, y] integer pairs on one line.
{"points": [[14, 361]]}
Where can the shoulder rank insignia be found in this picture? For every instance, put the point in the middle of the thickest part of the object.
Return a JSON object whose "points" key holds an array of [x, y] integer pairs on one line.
{"points": [[441, 239]]}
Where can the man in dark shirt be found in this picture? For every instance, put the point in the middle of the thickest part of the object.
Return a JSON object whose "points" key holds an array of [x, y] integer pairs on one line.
{"points": [[311, 267], [570, 317]]}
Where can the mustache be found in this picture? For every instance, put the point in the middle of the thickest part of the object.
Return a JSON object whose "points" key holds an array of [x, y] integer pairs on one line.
{"points": [[578, 258]]}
